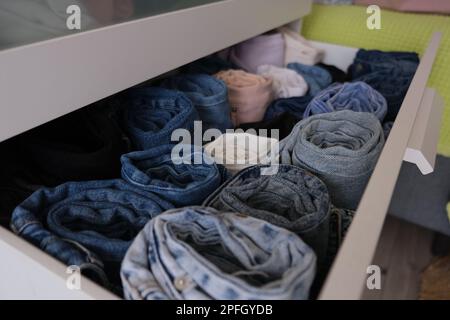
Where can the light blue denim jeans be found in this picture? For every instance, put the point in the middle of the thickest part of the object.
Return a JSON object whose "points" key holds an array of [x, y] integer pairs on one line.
{"points": [[151, 115], [209, 96], [291, 198], [355, 96], [341, 148], [87, 224], [187, 180], [198, 253]]}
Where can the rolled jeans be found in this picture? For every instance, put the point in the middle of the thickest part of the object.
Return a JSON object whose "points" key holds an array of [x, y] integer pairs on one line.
{"points": [[390, 73], [356, 96], [152, 114], [341, 148], [198, 253], [209, 96], [291, 198], [87, 224], [181, 179]]}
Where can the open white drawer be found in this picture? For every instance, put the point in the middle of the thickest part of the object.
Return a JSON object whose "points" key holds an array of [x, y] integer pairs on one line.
{"points": [[27, 272]]}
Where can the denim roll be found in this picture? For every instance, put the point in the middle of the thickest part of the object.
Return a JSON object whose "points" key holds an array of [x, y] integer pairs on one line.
{"points": [[341, 148], [237, 151], [286, 83], [316, 77], [390, 73], [87, 224], [283, 124], [354, 96], [186, 180], [209, 96], [248, 94], [84, 145], [198, 253], [284, 195], [152, 114], [295, 106], [268, 49]]}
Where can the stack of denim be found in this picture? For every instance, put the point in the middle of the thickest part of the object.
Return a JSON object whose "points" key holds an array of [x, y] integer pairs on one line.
{"points": [[316, 77], [294, 106], [199, 253], [390, 73], [284, 195], [181, 179], [341, 148], [387, 127], [152, 114], [88, 224], [209, 96], [355, 96]]}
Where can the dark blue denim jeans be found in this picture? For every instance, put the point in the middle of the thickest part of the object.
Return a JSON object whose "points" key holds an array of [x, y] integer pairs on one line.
{"points": [[390, 73], [295, 106], [181, 179], [292, 198], [198, 253], [356, 96], [316, 77], [88, 224], [209, 96], [152, 114]]}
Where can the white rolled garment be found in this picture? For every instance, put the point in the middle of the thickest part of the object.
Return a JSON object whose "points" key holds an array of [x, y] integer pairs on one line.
{"points": [[237, 151], [298, 49], [286, 83]]}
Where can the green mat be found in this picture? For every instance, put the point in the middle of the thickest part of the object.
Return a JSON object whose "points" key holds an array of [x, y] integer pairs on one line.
{"points": [[346, 25]]}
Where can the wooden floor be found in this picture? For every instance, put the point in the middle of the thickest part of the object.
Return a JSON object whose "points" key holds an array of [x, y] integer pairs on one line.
{"points": [[403, 252]]}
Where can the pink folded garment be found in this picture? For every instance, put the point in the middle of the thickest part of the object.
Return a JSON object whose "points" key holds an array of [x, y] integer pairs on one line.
{"points": [[260, 50], [298, 49], [429, 6], [248, 95]]}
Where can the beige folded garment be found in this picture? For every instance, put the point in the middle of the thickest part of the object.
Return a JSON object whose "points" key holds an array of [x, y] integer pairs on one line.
{"points": [[249, 95], [237, 151]]}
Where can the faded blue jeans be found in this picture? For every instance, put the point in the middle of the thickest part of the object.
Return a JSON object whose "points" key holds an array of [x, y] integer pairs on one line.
{"points": [[88, 224], [316, 77], [292, 198], [209, 96], [341, 148], [154, 113], [355, 96], [187, 182], [198, 253]]}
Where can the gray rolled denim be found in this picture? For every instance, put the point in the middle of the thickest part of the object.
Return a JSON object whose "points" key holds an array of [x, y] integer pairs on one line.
{"points": [[341, 148], [291, 198], [199, 253]]}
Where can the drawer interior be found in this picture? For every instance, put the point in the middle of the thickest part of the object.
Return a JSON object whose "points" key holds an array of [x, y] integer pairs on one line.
{"points": [[335, 55]]}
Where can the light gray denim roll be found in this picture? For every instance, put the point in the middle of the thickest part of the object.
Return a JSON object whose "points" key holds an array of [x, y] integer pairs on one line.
{"points": [[341, 148], [199, 253]]}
